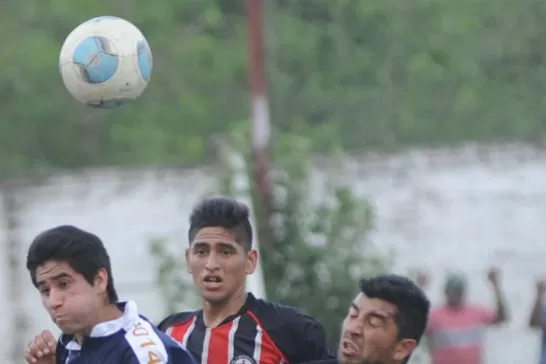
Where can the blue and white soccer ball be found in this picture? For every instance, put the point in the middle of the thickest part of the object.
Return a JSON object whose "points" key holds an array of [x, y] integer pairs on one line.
{"points": [[105, 62]]}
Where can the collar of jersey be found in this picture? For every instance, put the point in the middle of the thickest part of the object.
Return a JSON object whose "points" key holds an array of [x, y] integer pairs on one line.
{"points": [[107, 328], [250, 299]]}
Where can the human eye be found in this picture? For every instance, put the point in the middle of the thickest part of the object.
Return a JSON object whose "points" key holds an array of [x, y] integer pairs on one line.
{"points": [[353, 312], [227, 252], [376, 320], [65, 283], [200, 252]]}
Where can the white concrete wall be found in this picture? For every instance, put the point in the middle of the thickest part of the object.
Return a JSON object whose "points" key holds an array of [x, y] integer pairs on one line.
{"points": [[439, 209], [127, 210], [468, 209]]}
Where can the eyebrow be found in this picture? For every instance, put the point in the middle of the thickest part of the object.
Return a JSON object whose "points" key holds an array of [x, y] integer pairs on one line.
{"points": [[353, 305], [201, 244], [381, 314], [54, 278]]}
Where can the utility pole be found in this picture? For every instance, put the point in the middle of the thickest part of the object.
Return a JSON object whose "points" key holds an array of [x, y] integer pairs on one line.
{"points": [[261, 128]]}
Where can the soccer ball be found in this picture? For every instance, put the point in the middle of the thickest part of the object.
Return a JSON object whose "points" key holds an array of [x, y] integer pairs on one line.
{"points": [[105, 62]]}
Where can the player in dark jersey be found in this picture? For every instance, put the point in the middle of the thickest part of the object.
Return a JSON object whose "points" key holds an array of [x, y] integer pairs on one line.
{"points": [[71, 270], [385, 322], [233, 326]]}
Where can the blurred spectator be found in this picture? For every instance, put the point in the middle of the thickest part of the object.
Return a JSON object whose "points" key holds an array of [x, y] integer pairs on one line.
{"points": [[538, 317], [455, 334]]}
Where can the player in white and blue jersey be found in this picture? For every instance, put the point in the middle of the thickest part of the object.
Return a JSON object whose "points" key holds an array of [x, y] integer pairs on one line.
{"points": [[71, 269]]}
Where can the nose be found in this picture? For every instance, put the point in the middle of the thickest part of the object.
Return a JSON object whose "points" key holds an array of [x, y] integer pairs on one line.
{"points": [[354, 327], [212, 262], [55, 299]]}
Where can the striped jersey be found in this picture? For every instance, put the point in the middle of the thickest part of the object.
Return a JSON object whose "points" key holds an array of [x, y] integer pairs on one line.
{"points": [[262, 332]]}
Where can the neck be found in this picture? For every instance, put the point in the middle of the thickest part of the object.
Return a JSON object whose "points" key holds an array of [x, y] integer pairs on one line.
{"points": [[108, 313], [215, 313]]}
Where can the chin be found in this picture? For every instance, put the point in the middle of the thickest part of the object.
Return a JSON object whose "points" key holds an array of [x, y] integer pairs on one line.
{"points": [[214, 298], [342, 359], [67, 329]]}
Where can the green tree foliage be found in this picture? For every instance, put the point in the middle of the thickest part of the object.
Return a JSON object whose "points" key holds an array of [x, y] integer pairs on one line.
{"points": [[171, 277], [320, 246], [376, 73]]}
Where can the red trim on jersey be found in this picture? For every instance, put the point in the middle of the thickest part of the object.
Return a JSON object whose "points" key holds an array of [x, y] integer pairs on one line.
{"points": [[271, 352], [219, 343], [179, 329]]}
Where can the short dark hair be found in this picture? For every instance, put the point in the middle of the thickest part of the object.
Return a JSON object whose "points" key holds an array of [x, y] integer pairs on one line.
{"points": [[83, 251], [412, 303], [222, 212]]}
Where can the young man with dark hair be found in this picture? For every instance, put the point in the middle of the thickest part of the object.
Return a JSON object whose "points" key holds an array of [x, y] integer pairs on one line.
{"points": [[233, 326], [71, 269], [385, 322]]}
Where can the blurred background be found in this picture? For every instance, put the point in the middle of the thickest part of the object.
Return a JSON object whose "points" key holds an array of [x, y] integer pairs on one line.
{"points": [[368, 136]]}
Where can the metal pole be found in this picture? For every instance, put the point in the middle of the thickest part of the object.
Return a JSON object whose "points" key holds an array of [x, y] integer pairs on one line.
{"points": [[260, 115]]}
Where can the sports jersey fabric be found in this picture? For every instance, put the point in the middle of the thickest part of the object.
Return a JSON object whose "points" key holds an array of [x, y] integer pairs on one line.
{"points": [[262, 332], [130, 339]]}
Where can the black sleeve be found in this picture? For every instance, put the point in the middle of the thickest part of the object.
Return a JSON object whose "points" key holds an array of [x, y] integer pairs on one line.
{"points": [[310, 339], [299, 337], [179, 355], [165, 323], [174, 319]]}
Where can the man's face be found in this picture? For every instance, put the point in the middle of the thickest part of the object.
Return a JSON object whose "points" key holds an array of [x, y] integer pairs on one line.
{"points": [[454, 297], [218, 264], [369, 334], [69, 299]]}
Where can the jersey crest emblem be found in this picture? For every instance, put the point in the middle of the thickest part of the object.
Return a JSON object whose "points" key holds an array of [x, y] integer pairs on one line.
{"points": [[242, 359]]}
